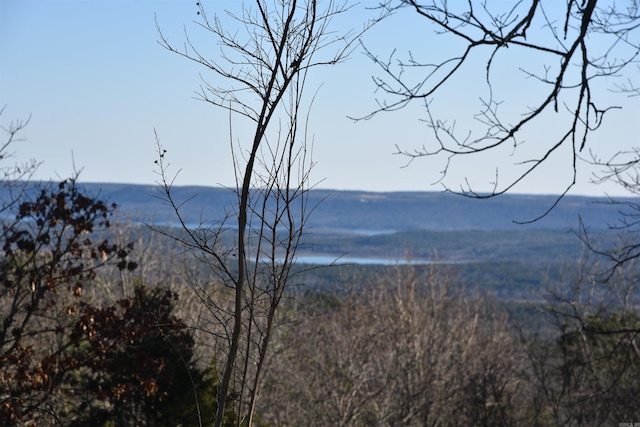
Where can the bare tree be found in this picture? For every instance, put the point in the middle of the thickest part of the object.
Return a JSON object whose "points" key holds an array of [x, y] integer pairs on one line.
{"points": [[408, 349], [624, 170], [14, 178], [585, 368], [266, 53], [574, 49]]}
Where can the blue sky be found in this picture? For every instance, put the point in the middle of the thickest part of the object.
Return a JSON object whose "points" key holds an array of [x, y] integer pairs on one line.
{"points": [[96, 84]]}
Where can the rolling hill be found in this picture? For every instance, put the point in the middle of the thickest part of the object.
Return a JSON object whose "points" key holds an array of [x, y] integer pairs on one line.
{"points": [[368, 212]]}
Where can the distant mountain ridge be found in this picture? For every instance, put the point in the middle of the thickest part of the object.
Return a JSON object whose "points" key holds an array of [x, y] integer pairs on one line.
{"points": [[370, 212], [478, 238]]}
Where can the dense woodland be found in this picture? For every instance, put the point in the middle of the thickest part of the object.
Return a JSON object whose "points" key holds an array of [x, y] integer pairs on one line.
{"points": [[103, 327]]}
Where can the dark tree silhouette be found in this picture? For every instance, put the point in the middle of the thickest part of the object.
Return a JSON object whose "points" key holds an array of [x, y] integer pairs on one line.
{"points": [[566, 56], [265, 52], [49, 257]]}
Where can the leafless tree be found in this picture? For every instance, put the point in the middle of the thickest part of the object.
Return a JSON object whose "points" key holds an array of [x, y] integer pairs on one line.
{"points": [[586, 367], [577, 54], [13, 177], [408, 349], [568, 52], [266, 51], [624, 170]]}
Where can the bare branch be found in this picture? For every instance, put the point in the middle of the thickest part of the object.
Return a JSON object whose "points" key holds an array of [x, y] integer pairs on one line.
{"points": [[264, 54], [597, 41]]}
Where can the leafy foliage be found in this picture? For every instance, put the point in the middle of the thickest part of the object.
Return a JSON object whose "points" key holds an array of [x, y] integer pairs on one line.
{"points": [[49, 257], [67, 358], [134, 356]]}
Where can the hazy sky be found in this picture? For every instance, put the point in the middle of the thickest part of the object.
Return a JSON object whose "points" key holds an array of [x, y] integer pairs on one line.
{"points": [[96, 84]]}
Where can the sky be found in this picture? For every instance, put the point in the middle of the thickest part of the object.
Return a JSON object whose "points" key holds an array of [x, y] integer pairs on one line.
{"points": [[96, 85]]}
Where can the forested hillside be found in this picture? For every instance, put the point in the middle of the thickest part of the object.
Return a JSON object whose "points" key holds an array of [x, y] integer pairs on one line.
{"points": [[365, 211], [361, 232]]}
